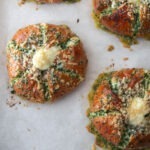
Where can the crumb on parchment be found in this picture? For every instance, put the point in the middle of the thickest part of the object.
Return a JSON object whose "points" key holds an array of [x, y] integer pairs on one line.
{"points": [[110, 67], [22, 2], [110, 48], [11, 102], [78, 20], [125, 58]]}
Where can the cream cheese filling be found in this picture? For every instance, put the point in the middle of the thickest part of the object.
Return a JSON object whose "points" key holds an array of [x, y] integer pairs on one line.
{"points": [[137, 110], [44, 58]]}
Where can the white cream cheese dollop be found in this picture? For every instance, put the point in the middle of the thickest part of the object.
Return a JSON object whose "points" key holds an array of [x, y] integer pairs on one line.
{"points": [[43, 58], [137, 110]]}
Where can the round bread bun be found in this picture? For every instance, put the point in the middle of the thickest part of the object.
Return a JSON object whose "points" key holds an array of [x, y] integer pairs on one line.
{"points": [[45, 61], [119, 110], [128, 18], [48, 1]]}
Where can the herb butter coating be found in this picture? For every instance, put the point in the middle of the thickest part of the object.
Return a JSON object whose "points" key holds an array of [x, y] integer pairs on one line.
{"points": [[127, 18], [119, 110], [45, 61]]}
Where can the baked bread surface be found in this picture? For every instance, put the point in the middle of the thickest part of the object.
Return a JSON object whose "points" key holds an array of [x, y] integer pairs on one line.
{"points": [[45, 61], [129, 18], [119, 110]]}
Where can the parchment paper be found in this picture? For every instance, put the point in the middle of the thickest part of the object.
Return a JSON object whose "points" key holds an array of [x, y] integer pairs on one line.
{"points": [[58, 126]]}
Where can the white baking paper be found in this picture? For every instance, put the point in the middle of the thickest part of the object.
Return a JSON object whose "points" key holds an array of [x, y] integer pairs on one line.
{"points": [[62, 125]]}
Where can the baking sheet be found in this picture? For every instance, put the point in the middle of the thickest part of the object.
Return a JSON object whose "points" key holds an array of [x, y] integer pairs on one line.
{"points": [[58, 126]]}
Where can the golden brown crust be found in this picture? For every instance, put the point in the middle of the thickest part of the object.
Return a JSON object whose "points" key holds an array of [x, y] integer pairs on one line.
{"points": [[144, 20], [105, 126], [134, 75], [139, 141], [125, 18], [100, 99], [119, 21], [64, 74], [23, 34], [110, 109], [29, 91], [100, 5]]}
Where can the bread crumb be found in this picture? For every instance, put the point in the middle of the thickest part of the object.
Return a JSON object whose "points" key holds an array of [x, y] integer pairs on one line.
{"points": [[12, 92], [11, 102], [110, 67], [78, 20], [125, 58], [110, 48]]}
